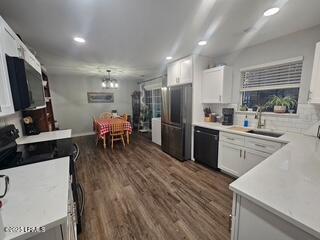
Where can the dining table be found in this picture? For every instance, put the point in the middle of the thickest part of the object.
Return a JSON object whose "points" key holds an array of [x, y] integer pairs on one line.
{"points": [[104, 127]]}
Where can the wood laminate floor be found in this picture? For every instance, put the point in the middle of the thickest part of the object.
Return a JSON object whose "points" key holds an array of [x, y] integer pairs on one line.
{"points": [[139, 192]]}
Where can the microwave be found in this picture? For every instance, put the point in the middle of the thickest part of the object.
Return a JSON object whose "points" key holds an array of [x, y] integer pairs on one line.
{"points": [[26, 84]]}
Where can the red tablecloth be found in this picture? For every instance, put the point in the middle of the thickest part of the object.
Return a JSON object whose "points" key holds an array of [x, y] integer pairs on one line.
{"points": [[104, 125]]}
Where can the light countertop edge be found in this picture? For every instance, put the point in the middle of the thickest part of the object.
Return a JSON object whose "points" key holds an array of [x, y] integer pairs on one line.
{"points": [[276, 212], [285, 138], [45, 136]]}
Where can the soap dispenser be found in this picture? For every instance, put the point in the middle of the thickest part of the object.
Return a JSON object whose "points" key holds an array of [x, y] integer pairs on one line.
{"points": [[246, 122]]}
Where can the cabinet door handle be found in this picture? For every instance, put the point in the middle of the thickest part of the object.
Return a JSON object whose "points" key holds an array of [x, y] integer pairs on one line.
{"points": [[240, 153], [219, 98], [259, 145], [231, 139], [245, 154]]}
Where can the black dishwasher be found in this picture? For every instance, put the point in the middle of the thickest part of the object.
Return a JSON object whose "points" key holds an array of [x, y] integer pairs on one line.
{"points": [[206, 145]]}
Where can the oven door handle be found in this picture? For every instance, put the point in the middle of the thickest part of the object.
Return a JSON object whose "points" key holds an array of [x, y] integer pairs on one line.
{"points": [[82, 197]]}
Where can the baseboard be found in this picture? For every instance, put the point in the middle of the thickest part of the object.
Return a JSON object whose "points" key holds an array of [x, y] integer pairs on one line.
{"points": [[82, 134]]}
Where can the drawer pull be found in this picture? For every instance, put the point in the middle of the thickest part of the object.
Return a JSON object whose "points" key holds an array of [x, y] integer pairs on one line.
{"points": [[259, 145], [232, 139]]}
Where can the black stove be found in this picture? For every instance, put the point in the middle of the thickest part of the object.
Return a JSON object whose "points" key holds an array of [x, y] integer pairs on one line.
{"points": [[17, 155]]}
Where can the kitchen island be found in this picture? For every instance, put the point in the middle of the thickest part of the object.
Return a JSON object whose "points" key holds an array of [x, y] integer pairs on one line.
{"points": [[38, 196]]}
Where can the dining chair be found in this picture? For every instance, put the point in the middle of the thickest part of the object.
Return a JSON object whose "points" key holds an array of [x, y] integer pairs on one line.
{"points": [[117, 133], [106, 115], [98, 136], [125, 117]]}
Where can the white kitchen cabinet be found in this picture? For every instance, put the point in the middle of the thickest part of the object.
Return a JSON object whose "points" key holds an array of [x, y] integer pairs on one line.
{"points": [[238, 154], [252, 222], [8, 45], [12, 46], [217, 85], [251, 158], [314, 94], [230, 158], [173, 73], [180, 72]]}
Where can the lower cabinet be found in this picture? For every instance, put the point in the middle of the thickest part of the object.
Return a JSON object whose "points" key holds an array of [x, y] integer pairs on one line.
{"points": [[238, 154], [230, 158], [251, 159], [252, 222]]}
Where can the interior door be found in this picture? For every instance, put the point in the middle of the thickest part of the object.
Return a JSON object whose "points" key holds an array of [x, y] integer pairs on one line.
{"points": [[176, 105], [230, 158]]}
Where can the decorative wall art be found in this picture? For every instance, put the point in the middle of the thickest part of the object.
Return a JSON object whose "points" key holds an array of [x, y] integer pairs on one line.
{"points": [[100, 97]]}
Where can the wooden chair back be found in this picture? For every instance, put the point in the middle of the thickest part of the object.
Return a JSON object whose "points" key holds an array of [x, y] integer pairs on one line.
{"points": [[106, 115], [125, 117], [117, 128]]}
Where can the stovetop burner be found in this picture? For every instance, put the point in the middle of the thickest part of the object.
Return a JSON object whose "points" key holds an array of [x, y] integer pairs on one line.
{"points": [[38, 152]]}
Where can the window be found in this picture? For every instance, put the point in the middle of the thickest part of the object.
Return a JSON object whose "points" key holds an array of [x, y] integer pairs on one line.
{"points": [[281, 79], [153, 101]]}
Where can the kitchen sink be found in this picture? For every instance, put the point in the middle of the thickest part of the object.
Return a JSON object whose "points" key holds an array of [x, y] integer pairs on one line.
{"points": [[266, 133]]}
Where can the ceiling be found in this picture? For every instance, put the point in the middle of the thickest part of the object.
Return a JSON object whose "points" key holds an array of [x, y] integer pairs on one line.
{"points": [[133, 37]]}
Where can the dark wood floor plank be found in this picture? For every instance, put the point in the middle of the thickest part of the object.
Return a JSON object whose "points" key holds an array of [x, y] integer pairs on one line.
{"points": [[139, 192]]}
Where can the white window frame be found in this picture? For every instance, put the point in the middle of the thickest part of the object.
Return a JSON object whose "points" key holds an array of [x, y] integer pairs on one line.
{"points": [[270, 64]]}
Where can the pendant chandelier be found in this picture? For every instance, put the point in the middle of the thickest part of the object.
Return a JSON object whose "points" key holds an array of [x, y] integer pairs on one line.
{"points": [[108, 83]]}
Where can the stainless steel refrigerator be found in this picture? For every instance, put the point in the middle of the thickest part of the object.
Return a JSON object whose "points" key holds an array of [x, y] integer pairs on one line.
{"points": [[176, 118]]}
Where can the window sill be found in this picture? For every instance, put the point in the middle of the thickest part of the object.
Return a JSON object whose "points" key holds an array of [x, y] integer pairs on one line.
{"points": [[270, 114]]}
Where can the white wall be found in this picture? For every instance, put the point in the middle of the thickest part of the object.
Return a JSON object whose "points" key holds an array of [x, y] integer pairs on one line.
{"points": [[70, 103], [301, 43]]}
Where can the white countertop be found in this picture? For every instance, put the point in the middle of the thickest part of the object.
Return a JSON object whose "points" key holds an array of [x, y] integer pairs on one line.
{"points": [[287, 183], [45, 136], [285, 138], [38, 196]]}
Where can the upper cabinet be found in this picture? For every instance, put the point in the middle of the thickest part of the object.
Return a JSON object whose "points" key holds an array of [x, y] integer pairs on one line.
{"points": [[314, 94], [11, 45], [180, 72], [217, 85], [8, 45]]}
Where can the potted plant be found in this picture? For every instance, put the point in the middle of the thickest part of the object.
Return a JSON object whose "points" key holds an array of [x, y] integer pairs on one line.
{"points": [[281, 105], [207, 114]]}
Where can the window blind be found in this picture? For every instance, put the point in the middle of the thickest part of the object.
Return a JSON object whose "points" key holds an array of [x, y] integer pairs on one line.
{"points": [[277, 75]]}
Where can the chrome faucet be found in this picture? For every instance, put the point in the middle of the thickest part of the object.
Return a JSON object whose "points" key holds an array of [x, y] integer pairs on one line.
{"points": [[259, 116]]}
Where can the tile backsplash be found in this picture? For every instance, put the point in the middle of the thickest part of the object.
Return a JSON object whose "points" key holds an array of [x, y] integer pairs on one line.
{"points": [[306, 117]]}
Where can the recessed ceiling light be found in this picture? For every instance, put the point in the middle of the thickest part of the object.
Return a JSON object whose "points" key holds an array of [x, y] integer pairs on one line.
{"points": [[79, 39], [169, 58], [271, 11], [202, 43]]}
